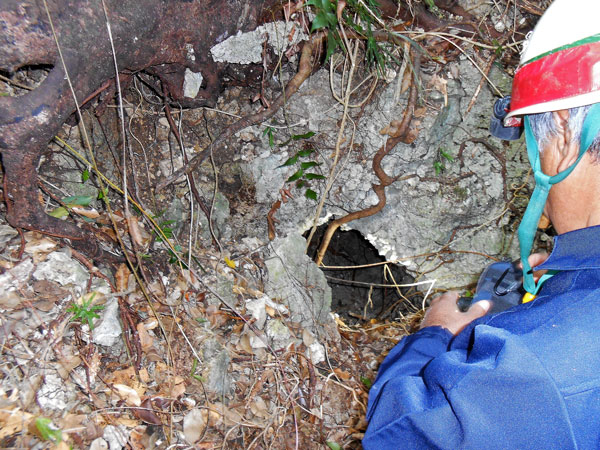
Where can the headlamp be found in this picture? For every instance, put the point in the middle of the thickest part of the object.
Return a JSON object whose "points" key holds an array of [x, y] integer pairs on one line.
{"points": [[506, 129]]}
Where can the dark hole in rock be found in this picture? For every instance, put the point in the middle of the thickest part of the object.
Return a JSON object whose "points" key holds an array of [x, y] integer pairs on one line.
{"points": [[26, 79], [363, 293]]}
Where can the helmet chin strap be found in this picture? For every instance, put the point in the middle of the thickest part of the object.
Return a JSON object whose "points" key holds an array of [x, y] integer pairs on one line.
{"points": [[543, 183]]}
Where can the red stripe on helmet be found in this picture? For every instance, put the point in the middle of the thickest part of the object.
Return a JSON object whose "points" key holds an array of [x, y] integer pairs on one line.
{"points": [[563, 74]]}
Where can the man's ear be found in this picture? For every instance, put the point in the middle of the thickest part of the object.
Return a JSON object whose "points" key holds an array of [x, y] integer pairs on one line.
{"points": [[568, 149]]}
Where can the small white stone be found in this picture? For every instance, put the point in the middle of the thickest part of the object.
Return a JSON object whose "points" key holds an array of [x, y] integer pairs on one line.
{"points": [[99, 444], [316, 352], [191, 83], [107, 332], [52, 394], [116, 437]]}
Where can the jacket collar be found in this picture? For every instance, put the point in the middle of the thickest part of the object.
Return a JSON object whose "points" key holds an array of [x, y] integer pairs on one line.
{"points": [[575, 250]]}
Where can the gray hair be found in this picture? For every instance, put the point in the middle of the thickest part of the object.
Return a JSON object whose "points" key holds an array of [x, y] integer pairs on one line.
{"points": [[544, 128]]}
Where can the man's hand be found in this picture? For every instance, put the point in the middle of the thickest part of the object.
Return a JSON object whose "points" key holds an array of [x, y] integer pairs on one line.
{"points": [[444, 312], [535, 259]]}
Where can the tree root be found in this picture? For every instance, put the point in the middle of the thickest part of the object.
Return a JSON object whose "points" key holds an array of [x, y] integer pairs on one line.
{"points": [[305, 68], [384, 179], [157, 36]]}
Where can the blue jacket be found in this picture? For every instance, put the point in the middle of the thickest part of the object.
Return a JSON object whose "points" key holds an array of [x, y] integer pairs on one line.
{"points": [[526, 378]]}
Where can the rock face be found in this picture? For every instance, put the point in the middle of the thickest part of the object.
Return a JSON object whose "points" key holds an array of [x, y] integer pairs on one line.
{"points": [[450, 215], [298, 283]]}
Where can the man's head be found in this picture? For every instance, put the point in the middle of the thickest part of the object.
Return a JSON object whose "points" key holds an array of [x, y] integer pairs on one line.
{"points": [[573, 203], [545, 127], [556, 91]]}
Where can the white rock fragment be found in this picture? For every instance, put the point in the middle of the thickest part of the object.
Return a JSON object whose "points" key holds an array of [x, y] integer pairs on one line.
{"points": [[108, 330], [316, 352], [278, 333], [500, 26], [6, 233], [99, 444], [258, 309], [192, 82], [191, 55], [64, 270], [116, 437], [257, 342], [11, 280], [167, 168], [246, 48], [52, 394]]}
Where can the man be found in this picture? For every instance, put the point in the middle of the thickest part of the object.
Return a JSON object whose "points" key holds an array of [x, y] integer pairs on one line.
{"points": [[528, 377]]}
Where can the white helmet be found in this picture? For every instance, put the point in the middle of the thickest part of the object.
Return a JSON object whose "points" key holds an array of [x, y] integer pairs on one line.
{"points": [[560, 61]]}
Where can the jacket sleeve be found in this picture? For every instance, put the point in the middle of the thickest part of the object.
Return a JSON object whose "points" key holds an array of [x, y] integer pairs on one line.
{"points": [[484, 390]]}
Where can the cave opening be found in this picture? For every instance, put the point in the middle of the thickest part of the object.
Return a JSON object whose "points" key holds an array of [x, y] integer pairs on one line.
{"points": [[363, 285]]}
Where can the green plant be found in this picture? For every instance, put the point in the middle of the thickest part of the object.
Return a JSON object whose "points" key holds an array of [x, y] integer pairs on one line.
{"points": [[70, 202], [200, 378], [268, 131], [357, 15], [85, 312], [366, 381], [48, 431], [103, 193], [498, 48], [438, 164], [301, 177], [433, 8], [167, 231], [173, 257]]}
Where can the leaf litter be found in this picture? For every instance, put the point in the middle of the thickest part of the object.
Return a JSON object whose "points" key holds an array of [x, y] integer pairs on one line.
{"points": [[204, 378]]}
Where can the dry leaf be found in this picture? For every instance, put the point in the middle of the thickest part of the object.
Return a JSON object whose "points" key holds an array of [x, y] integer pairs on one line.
{"points": [[93, 364], [144, 375], [229, 416], [122, 278], [146, 340], [290, 8], [307, 337], [215, 316], [271, 219], [340, 8], [127, 377], [270, 311], [194, 424], [259, 408], [420, 112], [140, 236], [172, 387], [39, 247], [343, 375], [12, 422], [90, 213], [138, 439], [244, 344], [229, 262], [544, 222], [440, 84], [146, 413], [68, 362], [129, 395]]}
